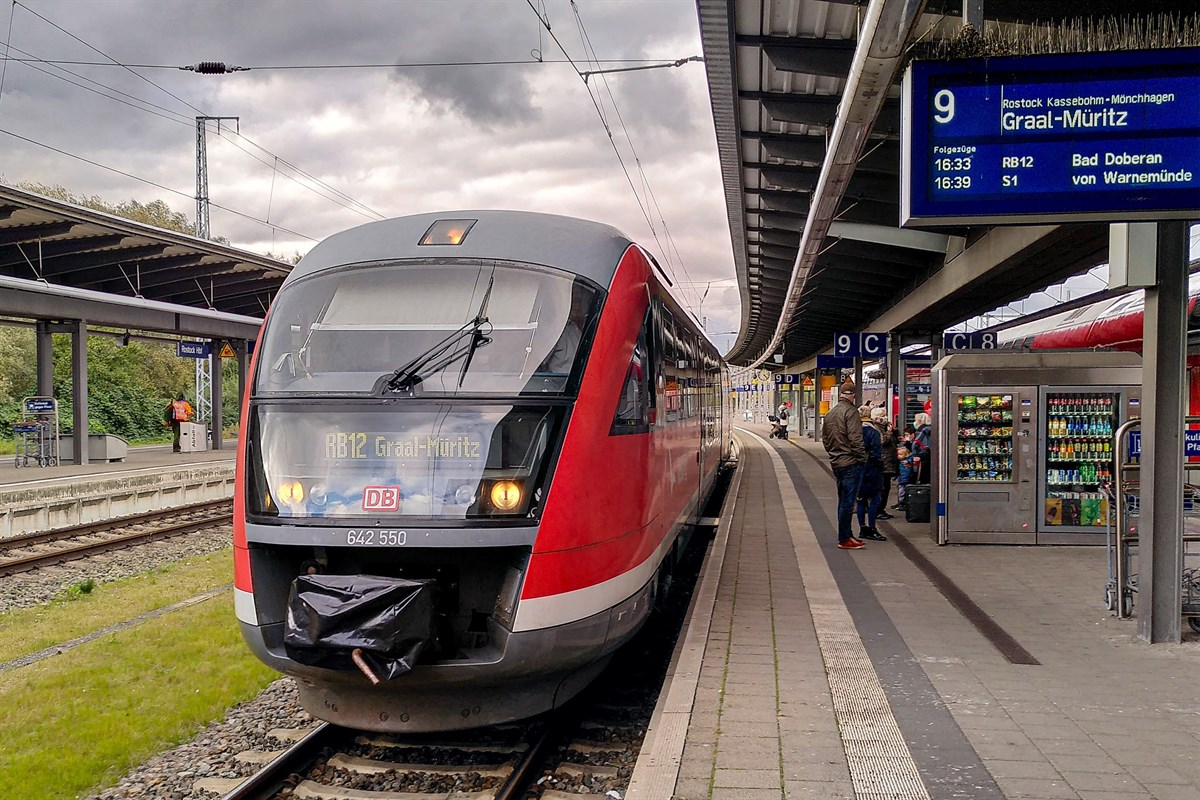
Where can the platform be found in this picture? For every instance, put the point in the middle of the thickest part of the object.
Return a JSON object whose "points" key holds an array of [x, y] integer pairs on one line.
{"points": [[907, 670], [44, 498]]}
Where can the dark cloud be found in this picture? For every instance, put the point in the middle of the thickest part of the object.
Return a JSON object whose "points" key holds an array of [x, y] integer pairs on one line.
{"points": [[397, 140]]}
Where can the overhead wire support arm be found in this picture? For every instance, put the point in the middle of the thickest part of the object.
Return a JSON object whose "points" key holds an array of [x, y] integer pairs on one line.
{"points": [[585, 74]]}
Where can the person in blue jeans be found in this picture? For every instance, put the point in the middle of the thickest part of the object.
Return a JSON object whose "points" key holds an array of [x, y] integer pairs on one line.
{"points": [[872, 479], [842, 436]]}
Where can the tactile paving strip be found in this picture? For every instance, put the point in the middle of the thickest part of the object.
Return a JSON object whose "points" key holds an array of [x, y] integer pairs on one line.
{"points": [[881, 765]]}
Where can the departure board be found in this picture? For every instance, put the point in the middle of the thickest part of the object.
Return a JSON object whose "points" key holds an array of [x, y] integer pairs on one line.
{"points": [[1059, 138]]}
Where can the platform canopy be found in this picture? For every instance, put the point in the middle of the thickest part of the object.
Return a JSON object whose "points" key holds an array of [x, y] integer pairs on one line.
{"points": [[61, 244], [805, 99]]}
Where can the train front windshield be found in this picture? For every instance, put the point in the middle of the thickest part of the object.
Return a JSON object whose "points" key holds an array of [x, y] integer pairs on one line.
{"points": [[424, 327], [327, 460]]}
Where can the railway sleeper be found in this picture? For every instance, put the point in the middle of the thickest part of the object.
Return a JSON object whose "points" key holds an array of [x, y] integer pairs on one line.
{"points": [[585, 771], [289, 735], [394, 744], [370, 766], [586, 748], [258, 757], [308, 790]]}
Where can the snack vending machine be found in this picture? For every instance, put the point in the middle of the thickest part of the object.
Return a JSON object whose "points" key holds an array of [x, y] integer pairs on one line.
{"points": [[1077, 457], [992, 472], [1023, 444]]}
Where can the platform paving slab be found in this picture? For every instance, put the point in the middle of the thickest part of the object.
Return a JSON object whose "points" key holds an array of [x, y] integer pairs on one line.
{"points": [[1100, 715]]}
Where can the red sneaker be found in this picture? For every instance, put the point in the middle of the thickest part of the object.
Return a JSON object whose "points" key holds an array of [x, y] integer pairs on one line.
{"points": [[850, 544]]}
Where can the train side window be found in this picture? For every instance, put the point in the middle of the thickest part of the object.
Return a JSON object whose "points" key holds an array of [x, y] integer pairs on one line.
{"points": [[650, 330], [633, 403], [672, 389]]}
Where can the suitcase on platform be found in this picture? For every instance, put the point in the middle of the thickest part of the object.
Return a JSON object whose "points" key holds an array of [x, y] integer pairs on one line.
{"points": [[916, 502]]}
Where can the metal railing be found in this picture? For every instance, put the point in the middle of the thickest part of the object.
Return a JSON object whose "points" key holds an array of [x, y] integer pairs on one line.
{"points": [[1124, 537]]}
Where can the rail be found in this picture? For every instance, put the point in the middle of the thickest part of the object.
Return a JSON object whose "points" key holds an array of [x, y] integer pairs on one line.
{"points": [[1124, 538], [215, 513]]}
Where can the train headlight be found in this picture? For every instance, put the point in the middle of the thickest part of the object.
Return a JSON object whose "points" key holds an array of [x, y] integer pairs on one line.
{"points": [[506, 495], [464, 495], [290, 493], [447, 231]]}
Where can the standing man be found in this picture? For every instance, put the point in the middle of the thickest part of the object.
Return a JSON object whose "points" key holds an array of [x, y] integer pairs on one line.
{"points": [[177, 411], [843, 439]]}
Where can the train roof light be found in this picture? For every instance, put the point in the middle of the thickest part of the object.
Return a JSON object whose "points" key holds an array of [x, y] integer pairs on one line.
{"points": [[447, 231]]}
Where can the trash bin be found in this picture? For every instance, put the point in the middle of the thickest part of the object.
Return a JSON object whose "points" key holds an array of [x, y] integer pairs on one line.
{"points": [[916, 502], [193, 437]]}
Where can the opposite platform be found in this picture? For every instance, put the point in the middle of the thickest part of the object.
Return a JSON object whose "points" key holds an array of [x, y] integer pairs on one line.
{"points": [[36, 499], [905, 670]]}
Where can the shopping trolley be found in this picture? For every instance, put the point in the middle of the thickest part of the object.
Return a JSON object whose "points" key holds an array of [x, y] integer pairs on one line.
{"points": [[1122, 550], [1191, 594], [36, 433], [34, 445], [1117, 548]]}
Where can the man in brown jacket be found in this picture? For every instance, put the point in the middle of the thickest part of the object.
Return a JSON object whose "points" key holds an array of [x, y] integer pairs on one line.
{"points": [[842, 436]]}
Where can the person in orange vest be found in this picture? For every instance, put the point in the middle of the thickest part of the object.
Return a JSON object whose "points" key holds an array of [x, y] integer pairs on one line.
{"points": [[177, 411]]}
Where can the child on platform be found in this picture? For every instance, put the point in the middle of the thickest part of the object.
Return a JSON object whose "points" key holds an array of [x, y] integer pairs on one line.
{"points": [[907, 470]]}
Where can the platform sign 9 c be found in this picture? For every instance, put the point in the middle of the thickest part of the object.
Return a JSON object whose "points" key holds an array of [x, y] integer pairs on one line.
{"points": [[860, 345]]}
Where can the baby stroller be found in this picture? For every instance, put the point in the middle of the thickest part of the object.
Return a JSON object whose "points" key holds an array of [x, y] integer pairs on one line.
{"points": [[778, 429]]}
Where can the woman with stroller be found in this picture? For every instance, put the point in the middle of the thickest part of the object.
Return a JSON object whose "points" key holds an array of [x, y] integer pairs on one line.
{"points": [[779, 423]]}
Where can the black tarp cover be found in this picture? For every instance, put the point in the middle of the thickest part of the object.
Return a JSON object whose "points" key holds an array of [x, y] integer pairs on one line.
{"points": [[390, 619]]}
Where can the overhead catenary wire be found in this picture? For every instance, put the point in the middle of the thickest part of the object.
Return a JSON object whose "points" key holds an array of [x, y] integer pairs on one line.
{"points": [[114, 62], [347, 202], [4, 67], [649, 63], [591, 51], [154, 184], [544, 20]]}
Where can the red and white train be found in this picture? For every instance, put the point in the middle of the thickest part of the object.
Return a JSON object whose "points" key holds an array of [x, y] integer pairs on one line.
{"points": [[1115, 324], [473, 441]]}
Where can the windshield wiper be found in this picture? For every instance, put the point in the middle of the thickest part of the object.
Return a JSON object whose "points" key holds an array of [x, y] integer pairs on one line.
{"points": [[445, 352], [479, 337]]}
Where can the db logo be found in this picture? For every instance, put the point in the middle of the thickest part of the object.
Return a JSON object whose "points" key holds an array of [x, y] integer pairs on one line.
{"points": [[381, 498]]}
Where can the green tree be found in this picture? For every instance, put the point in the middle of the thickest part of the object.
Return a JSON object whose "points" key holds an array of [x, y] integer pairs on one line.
{"points": [[156, 213]]}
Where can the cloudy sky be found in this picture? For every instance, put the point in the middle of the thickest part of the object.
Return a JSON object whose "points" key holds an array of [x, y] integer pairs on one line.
{"points": [[388, 141]]}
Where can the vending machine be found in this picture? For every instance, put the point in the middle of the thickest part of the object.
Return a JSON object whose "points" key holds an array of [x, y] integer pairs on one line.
{"points": [[1023, 444], [991, 472], [1077, 456]]}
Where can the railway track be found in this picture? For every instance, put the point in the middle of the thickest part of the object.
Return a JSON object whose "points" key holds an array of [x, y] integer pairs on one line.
{"points": [[588, 748], [23, 553], [331, 763]]}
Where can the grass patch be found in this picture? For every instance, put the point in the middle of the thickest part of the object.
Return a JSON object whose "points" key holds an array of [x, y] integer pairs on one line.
{"points": [[87, 606], [77, 722]]}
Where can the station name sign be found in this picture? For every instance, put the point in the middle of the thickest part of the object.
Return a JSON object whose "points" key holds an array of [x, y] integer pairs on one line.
{"points": [[1056, 138], [186, 349]]}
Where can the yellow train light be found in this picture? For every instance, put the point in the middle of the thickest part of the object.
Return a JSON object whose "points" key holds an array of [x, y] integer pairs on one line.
{"points": [[291, 493], [506, 495]]}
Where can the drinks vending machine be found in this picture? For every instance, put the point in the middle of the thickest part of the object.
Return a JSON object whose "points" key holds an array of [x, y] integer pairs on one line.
{"points": [[1023, 444], [1078, 457]]}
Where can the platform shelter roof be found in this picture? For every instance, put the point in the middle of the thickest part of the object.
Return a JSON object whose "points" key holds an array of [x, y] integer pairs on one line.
{"points": [[61, 244], [806, 102]]}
